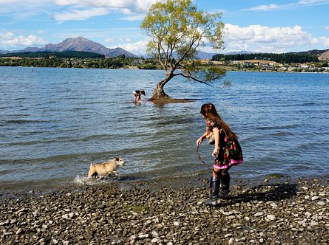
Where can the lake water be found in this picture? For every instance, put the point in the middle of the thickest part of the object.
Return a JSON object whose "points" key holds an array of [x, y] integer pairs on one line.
{"points": [[54, 122]]}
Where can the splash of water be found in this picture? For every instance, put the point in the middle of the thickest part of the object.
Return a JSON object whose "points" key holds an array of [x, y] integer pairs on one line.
{"points": [[84, 180]]}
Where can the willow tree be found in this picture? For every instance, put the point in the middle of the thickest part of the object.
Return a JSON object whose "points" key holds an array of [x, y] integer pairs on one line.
{"points": [[178, 30]]}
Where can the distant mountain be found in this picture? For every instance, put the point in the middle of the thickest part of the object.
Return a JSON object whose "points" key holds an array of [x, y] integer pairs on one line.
{"points": [[3, 51], [80, 44], [321, 54], [204, 55], [239, 52], [310, 52], [324, 56], [46, 54]]}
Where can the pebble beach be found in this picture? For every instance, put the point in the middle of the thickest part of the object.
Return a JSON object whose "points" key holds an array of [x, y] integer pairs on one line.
{"points": [[170, 211]]}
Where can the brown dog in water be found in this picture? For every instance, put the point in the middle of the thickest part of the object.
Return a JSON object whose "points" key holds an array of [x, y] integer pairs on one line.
{"points": [[105, 168]]}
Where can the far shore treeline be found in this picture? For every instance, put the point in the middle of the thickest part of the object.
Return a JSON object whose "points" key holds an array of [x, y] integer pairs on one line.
{"points": [[67, 59], [80, 59], [286, 58]]}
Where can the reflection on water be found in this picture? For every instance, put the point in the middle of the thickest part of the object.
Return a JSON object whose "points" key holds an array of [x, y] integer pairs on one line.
{"points": [[54, 122]]}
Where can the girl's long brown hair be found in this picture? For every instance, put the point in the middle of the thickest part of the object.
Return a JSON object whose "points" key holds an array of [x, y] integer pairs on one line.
{"points": [[209, 111]]}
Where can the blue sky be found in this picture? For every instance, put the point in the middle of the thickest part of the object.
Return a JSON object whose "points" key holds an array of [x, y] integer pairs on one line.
{"points": [[258, 26]]}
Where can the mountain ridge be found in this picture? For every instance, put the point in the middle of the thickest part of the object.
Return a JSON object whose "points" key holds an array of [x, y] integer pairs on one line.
{"points": [[86, 45], [78, 44]]}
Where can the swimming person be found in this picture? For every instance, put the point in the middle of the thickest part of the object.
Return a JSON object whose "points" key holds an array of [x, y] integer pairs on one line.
{"points": [[138, 94]]}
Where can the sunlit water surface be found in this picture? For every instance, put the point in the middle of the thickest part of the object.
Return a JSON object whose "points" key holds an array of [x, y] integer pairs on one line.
{"points": [[54, 122]]}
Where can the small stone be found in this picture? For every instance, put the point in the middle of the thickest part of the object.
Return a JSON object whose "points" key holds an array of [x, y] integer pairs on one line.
{"points": [[271, 217], [54, 241], [314, 223], [5, 222], [65, 216], [143, 235], [155, 240], [302, 223], [19, 231]]}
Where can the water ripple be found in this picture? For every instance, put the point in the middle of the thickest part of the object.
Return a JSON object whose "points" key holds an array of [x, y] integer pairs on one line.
{"points": [[54, 123]]}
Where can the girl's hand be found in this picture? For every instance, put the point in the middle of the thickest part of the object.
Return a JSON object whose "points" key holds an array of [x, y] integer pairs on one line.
{"points": [[199, 141], [215, 152]]}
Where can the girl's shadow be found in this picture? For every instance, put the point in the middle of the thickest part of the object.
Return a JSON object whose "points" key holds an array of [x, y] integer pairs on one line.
{"points": [[275, 192]]}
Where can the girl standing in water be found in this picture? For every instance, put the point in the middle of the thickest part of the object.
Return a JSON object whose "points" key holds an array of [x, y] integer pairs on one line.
{"points": [[227, 152]]}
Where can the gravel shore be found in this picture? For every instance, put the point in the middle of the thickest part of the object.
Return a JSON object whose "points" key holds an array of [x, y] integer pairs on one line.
{"points": [[170, 211]]}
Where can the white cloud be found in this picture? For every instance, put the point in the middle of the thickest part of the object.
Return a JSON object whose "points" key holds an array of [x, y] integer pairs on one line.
{"points": [[25, 8], [301, 3], [15, 2], [259, 38], [264, 7], [327, 28], [253, 38], [75, 9], [10, 39], [138, 48], [132, 6], [66, 2], [79, 14], [326, 42], [84, 9], [313, 1], [109, 40]]}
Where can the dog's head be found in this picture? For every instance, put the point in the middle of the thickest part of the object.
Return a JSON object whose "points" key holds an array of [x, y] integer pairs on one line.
{"points": [[119, 161], [92, 170]]}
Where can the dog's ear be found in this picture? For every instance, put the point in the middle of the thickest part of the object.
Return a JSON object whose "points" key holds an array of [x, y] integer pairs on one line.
{"points": [[117, 159]]}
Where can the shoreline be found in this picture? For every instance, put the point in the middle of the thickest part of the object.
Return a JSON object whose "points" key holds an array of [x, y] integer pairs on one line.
{"points": [[125, 182], [171, 210], [196, 179], [227, 69]]}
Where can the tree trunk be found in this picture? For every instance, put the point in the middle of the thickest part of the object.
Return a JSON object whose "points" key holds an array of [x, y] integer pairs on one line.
{"points": [[158, 92]]}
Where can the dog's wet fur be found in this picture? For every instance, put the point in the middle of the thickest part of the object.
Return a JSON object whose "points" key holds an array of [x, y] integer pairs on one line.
{"points": [[105, 168]]}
